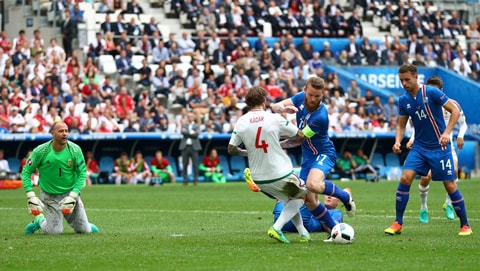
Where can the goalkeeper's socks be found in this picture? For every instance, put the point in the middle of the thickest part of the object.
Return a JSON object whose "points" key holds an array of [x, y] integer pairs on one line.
{"points": [[333, 190], [402, 196], [459, 206], [323, 216], [423, 190]]}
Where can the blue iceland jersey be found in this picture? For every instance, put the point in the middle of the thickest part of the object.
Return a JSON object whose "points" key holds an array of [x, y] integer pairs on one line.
{"points": [[426, 113], [318, 122]]}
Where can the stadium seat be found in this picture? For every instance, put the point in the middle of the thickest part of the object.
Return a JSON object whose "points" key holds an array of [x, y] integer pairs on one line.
{"points": [[14, 164], [392, 160], [106, 164], [226, 167], [237, 165], [377, 160], [176, 171]]}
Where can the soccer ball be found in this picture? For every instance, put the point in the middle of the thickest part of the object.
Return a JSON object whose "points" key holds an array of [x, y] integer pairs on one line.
{"points": [[343, 233]]}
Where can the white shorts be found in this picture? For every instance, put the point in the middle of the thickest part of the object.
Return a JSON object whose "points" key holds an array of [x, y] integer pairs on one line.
{"points": [[290, 187]]}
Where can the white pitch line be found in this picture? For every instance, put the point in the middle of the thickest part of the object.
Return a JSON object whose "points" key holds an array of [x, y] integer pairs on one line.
{"points": [[412, 213]]}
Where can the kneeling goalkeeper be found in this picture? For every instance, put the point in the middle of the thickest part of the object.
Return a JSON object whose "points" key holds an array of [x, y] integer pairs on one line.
{"points": [[62, 170]]}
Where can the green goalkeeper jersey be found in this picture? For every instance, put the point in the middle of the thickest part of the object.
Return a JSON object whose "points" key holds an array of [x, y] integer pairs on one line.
{"points": [[60, 172]]}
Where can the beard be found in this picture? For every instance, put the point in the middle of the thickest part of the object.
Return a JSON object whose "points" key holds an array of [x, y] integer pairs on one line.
{"points": [[311, 106]]}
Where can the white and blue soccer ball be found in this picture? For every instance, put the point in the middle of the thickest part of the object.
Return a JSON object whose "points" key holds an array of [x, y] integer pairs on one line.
{"points": [[343, 233]]}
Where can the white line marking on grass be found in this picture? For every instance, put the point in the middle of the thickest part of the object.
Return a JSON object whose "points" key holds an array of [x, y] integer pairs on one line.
{"points": [[391, 214]]}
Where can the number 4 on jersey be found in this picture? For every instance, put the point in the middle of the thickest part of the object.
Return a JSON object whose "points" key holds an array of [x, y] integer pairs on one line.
{"points": [[260, 145]]}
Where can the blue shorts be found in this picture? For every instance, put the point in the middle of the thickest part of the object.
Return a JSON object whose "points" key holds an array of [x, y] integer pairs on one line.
{"points": [[323, 162], [440, 162]]}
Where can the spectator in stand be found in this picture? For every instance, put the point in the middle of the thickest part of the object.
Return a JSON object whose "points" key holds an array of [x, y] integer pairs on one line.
{"points": [[133, 7], [107, 91], [371, 55], [17, 120], [224, 19], [124, 65], [161, 83], [174, 53], [185, 44], [460, 64], [34, 91], [353, 51], [108, 123], [390, 109], [376, 109], [119, 26], [273, 89], [5, 42], [123, 103], [160, 53], [105, 7], [353, 91], [68, 30], [151, 27], [145, 74], [206, 21], [134, 29], [475, 67], [143, 46], [92, 101], [198, 105], [455, 24]]}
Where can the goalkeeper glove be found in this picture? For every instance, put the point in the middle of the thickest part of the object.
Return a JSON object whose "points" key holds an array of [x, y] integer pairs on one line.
{"points": [[35, 205], [68, 203]]}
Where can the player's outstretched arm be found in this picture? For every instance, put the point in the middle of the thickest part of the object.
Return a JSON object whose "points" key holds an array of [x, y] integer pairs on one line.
{"points": [[235, 150], [285, 106]]}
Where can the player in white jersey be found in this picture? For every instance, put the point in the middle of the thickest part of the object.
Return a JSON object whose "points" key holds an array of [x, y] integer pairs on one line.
{"points": [[271, 168], [424, 186]]}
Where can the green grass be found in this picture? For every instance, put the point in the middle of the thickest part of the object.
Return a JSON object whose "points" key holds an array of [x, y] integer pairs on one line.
{"points": [[223, 227]]}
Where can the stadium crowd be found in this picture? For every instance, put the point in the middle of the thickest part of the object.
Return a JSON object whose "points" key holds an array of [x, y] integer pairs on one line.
{"points": [[41, 82]]}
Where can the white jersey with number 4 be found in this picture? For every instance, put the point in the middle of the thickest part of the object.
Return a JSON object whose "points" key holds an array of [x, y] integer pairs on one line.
{"points": [[260, 132]]}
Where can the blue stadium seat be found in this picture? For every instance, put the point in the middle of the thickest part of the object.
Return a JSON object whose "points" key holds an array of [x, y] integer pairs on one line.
{"points": [[392, 160], [14, 164], [176, 172], [237, 165], [466, 156], [106, 164], [377, 160], [148, 159], [226, 167]]}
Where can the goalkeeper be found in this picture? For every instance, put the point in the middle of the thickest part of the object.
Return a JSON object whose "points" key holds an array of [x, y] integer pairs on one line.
{"points": [[62, 175]]}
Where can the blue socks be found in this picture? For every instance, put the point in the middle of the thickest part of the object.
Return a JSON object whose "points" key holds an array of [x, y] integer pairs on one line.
{"points": [[402, 196], [332, 190], [321, 214], [459, 206]]}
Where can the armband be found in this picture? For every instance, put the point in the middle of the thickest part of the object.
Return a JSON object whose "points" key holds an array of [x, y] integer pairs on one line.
{"points": [[307, 132]]}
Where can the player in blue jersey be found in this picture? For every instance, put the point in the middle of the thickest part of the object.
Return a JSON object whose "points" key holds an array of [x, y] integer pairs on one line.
{"points": [[423, 187], [318, 152], [432, 147], [310, 223]]}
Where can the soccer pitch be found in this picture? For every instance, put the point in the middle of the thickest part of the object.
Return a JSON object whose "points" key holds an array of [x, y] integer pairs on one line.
{"points": [[223, 227]]}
